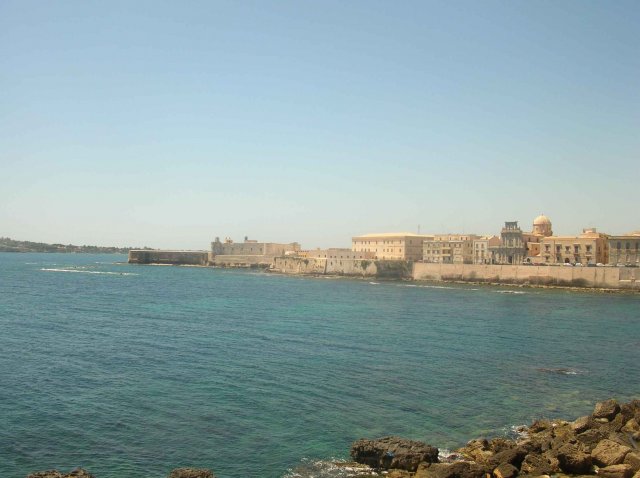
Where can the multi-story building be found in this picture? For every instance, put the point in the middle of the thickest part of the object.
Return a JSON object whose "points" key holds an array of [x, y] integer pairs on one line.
{"points": [[590, 247], [625, 249], [512, 248], [481, 249], [394, 245], [449, 249]]}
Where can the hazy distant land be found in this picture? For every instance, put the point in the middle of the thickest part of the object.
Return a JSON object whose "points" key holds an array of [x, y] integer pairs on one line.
{"points": [[9, 245]]}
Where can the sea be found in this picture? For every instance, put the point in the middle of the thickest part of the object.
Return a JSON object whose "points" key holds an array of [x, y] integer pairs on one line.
{"points": [[131, 371]]}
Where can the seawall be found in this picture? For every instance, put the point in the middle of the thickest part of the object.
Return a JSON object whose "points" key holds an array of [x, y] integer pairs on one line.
{"points": [[192, 258], [343, 267], [627, 278]]}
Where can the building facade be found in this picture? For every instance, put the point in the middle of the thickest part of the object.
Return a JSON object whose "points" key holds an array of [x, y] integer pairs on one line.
{"points": [[449, 249], [590, 247], [336, 253], [625, 249], [482, 251], [512, 248], [391, 246], [251, 247]]}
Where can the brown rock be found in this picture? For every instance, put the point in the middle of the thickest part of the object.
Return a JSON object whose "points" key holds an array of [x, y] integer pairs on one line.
{"points": [[77, 473], [607, 409], [501, 444], [476, 450], [191, 473], [631, 426], [608, 452], [505, 471], [393, 452], [398, 474], [591, 438], [615, 471], [573, 459], [460, 469], [633, 460], [582, 424], [512, 456], [535, 464]]}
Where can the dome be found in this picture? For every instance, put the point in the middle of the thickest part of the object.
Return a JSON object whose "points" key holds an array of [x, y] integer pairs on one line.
{"points": [[540, 220]]}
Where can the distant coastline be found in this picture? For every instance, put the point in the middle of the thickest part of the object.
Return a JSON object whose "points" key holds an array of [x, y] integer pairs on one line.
{"points": [[10, 245]]}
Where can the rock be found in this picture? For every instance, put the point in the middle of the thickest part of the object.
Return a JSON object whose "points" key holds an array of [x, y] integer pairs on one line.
{"points": [[191, 473], [535, 464], [608, 452], [77, 473], [633, 460], [582, 424], [591, 438], [607, 409], [505, 471], [501, 444], [512, 456], [476, 450], [539, 425], [398, 474], [615, 471], [572, 459], [393, 452], [631, 426], [460, 469]]}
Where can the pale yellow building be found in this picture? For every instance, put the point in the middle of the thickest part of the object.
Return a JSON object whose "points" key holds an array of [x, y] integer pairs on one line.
{"points": [[391, 245], [449, 249], [481, 251], [251, 247], [625, 249], [590, 247]]}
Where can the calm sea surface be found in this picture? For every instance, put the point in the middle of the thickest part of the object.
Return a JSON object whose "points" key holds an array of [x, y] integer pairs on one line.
{"points": [[130, 371]]}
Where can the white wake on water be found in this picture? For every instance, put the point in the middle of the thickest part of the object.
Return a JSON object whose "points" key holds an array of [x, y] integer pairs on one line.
{"points": [[80, 271]]}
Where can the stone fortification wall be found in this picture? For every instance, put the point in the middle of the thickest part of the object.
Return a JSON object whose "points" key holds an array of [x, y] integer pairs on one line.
{"points": [[240, 260], [593, 277], [193, 258], [346, 267]]}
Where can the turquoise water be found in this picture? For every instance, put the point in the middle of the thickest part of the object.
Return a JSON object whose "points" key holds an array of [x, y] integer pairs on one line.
{"points": [[131, 371]]}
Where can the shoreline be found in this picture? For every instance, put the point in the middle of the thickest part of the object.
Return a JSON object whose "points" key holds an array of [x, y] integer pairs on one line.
{"points": [[604, 443]]}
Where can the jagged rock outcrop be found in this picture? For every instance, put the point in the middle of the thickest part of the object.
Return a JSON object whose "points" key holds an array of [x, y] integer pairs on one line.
{"points": [[605, 443], [191, 473], [393, 452], [77, 473]]}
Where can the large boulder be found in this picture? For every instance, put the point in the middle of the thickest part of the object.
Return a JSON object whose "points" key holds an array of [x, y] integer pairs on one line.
{"points": [[459, 469], [191, 473], [536, 465], [505, 471], [572, 459], [607, 409], [512, 456], [608, 453], [615, 471], [393, 452], [633, 460]]}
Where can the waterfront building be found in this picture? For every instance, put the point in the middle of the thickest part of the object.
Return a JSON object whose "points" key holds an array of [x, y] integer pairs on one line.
{"points": [[590, 247], [391, 246], [251, 247], [449, 249], [512, 248], [625, 249], [481, 249]]}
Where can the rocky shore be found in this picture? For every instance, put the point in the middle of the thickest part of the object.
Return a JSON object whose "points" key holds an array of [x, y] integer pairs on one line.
{"points": [[604, 443]]}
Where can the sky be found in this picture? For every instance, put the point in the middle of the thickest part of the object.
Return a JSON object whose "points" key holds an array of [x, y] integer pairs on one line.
{"points": [[166, 124]]}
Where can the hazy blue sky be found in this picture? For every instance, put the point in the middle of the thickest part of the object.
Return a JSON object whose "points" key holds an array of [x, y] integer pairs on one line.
{"points": [[168, 123]]}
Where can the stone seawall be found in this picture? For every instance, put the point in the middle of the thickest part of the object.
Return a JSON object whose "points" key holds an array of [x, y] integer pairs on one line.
{"points": [[563, 276], [191, 258], [343, 267]]}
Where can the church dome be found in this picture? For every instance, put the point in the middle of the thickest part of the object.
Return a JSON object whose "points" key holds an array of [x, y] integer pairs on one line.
{"points": [[541, 220]]}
